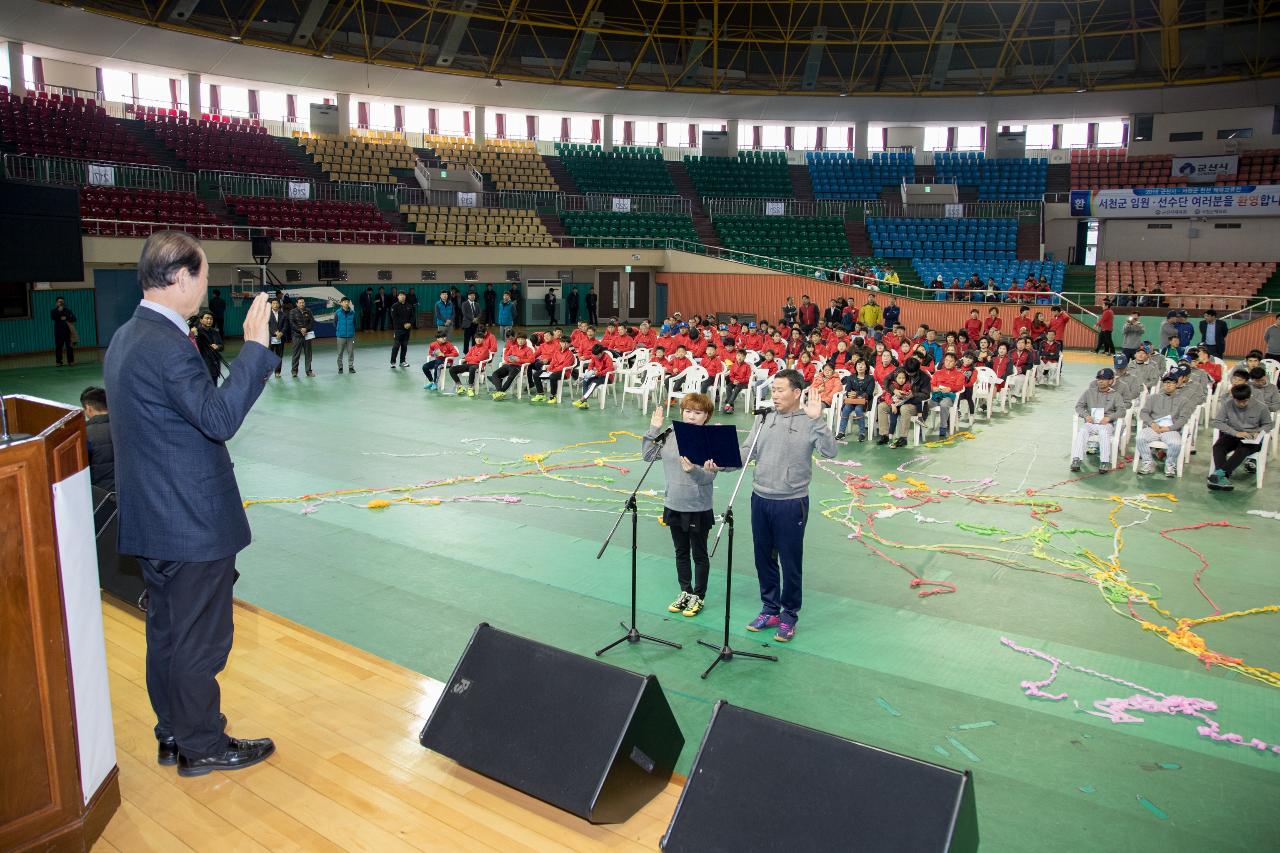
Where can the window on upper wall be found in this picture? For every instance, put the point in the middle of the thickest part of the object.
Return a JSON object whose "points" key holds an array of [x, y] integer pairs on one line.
{"points": [[838, 137], [935, 139], [272, 105], [969, 138], [773, 136], [1075, 134], [1110, 134], [875, 137], [382, 115], [1187, 136], [154, 91], [491, 123], [1235, 133], [517, 126], [28, 69], [580, 128], [117, 85], [646, 133], [804, 138], [449, 120], [745, 135], [1039, 136], [234, 100], [417, 118]]}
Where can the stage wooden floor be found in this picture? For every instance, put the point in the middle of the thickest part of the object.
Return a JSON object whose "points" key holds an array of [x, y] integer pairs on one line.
{"points": [[348, 773]]}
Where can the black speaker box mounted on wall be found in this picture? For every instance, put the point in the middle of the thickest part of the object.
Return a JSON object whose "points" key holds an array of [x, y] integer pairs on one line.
{"points": [[328, 270], [587, 737], [261, 246], [836, 794]]}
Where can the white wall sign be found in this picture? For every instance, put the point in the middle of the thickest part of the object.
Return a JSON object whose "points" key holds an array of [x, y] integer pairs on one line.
{"points": [[775, 208], [955, 211], [1204, 170], [622, 205], [102, 176], [466, 199], [299, 189]]}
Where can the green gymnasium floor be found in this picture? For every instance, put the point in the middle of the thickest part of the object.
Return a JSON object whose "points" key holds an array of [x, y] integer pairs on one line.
{"points": [[872, 660]]}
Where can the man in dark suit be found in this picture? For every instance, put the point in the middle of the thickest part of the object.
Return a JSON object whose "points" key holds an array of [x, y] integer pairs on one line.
{"points": [[490, 305], [62, 318], [303, 323], [380, 307], [366, 309], [180, 507], [1213, 333], [593, 303], [468, 319], [277, 324], [218, 308]]}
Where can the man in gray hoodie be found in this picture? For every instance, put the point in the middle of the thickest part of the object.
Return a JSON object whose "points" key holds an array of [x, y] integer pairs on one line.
{"points": [[785, 440], [1098, 407], [1162, 418], [1271, 339], [1240, 421]]}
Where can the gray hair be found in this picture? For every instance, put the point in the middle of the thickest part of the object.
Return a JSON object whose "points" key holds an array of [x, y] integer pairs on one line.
{"points": [[164, 253], [793, 377]]}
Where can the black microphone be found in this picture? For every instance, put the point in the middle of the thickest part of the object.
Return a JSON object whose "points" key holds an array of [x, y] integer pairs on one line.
{"points": [[662, 436], [763, 410]]}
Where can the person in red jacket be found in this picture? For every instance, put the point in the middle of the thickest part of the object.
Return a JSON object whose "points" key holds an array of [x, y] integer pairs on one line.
{"points": [[483, 334], [599, 371], [1002, 364], [1038, 327], [1106, 322], [827, 385], [515, 356], [973, 326], [739, 376], [437, 353], [677, 364], [948, 382], [1021, 325], [470, 364], [711, 363], [991, 325], [1058, 322], [553, 370], [805, 367], [646, 337]]}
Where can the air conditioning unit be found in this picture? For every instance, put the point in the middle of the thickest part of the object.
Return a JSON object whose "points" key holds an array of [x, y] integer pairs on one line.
{"points": [[1232, 146]]}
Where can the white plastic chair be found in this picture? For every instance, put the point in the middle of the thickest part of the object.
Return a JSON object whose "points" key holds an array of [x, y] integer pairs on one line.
{"points": [[692, 382], [1188, 433], [759, 387], [643, 384], [1259, 457], [1272, 367], [1118, 443]]}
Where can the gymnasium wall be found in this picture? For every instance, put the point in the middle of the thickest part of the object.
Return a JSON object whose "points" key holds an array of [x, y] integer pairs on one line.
{"points": [[36, 334], [70, 75], [1259, 120], [763, 296], [1244, 239]]}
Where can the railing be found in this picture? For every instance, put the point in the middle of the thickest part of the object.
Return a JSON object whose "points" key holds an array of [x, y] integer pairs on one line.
{"points": [[1121, 300], [506, 199], [604, 203], [66, 91], [969, 210], [79, 173], [276, 186], [204, 231], [775, 207]]}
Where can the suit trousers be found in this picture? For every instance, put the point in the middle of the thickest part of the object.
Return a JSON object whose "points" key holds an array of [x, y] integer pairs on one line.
{"points": [[278, 349], [301, 346], [189, 632], [777, 527]]}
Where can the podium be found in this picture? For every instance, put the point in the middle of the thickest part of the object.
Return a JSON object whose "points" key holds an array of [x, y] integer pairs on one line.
{"points": [[59, 782]]}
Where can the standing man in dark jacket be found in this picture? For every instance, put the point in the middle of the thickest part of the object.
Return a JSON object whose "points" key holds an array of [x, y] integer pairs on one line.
{"points": [[366, 309], [549, 302], [218, 308], [808, 315], [401, 324], [490, 305], [180, 508], [97, 425], [1213, 334], [593, 306], [380, 306], [62, 318], [468, 319], [277, 326], [570, 306], [303, 324]]}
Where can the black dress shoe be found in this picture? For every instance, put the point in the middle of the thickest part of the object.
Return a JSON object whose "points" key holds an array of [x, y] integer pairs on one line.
{"points": [[167, 748], [238, 754]]}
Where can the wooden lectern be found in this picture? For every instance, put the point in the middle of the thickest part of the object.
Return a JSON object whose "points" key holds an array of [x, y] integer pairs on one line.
{"points": [[45, 801]]}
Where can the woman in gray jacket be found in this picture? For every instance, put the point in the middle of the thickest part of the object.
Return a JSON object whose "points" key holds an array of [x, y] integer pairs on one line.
{"points": [[686, 508]]}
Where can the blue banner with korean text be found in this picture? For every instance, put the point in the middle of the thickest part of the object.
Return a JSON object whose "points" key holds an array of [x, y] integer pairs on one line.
{"points": [[1156, 202]]}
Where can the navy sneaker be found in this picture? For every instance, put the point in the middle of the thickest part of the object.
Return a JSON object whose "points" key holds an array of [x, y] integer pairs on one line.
{"points": [[786, 632], [764, 620]]}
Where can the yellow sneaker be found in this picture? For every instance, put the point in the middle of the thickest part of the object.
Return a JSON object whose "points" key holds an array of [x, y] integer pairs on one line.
{"points": [[470, 393], [694, 607], [537, 398], [551, 401], [579, 404], [680, 603]]}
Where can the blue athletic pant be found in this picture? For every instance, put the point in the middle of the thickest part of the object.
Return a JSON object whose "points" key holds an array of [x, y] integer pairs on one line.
{"points": [[778, 530]]}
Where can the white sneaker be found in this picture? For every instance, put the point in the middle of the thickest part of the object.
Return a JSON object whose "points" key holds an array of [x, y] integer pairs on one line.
{"points": [[1146, 467]]}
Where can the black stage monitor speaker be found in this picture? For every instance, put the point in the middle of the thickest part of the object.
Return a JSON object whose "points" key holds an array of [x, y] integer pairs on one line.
{"points": [[587, 737], [328, 270], [261, 246], [836, 794]]}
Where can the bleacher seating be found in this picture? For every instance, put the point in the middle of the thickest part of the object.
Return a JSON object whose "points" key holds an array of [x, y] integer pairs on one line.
{"points": [[752, 174], [1186, 284], [625, 170], [1005, 273], [996, 178], [65, 127], [818, 240], [512, 164], [218, 146], [952, 239], [838, 174], [477, 226], [135, 205], [359, 158], [275, 214], [1112, 168], [617, 227]]}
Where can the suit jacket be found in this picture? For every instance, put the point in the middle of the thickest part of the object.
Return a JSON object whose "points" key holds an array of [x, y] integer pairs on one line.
{"points": [[1220, 338], [277, 322], [470, 313], [175, 482]]}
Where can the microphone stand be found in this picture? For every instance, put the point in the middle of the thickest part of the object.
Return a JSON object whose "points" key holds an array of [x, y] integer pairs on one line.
{"points": [[633, 635], [725, 651]]}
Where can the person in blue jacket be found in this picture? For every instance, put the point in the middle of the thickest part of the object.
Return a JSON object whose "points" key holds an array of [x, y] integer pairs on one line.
{"points": [[344, 323], [506, 315], [1185, 330], [444, 313]]}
